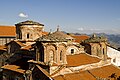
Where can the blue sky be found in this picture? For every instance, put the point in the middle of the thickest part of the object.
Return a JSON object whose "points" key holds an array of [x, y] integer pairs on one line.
{"points": [[83, 16]]}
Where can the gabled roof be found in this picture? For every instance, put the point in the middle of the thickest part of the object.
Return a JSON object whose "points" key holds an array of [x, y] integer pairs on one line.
{"points": [[81, 59], [79, 38], [36, 62], [17, 42], [13, 68], [105, 71], [20, 43], [9, 31], [102, 73], [28, 47]]}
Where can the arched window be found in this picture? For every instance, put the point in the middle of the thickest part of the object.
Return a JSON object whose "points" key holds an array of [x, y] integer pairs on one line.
{"points": [[28, 35], [60, 55], [103, 51], [114, 60], [51, 55], [72, 51]]}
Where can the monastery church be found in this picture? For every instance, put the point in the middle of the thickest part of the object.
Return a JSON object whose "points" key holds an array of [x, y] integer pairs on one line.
{"points": [[34, 54]]}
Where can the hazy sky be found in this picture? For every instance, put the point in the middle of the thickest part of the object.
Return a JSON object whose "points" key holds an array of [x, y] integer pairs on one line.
{"points": [[83, 16]]}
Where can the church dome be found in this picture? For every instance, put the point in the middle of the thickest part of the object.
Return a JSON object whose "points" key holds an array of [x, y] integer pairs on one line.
{"points": [[56, 36], [29, 22]]}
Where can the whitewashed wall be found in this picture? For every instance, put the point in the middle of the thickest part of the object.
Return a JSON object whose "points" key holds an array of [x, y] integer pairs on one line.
{"points": [[76, 50], [114, 55]]}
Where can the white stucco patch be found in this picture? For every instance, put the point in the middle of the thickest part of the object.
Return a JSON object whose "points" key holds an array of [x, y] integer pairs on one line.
{"points": [[114, 55]]}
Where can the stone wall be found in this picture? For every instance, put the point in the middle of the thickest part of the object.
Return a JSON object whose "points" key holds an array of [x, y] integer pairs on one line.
{"points": [[29, 32], [54, 52], [5, 40]]}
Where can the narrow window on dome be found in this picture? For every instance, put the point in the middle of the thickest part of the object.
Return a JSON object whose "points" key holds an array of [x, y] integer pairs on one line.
{"points": [[28, 35], [61, 56], [103, 51], [72, 51]]}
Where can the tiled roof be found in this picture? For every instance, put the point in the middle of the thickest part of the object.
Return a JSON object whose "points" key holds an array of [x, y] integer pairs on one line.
{"points": [[105, 71], [36, 62], [27, 47], [56, 36], [7, 31], [10, 31], [75, 76], [101, 73], [13, 68], [44, 33], [20, 43], [29, 22], [79, 38], [81, 59], [60, 77]]}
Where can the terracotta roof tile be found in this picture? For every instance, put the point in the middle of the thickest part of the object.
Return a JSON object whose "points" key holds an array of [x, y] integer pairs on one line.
{"points": [[79, 38], [106, 71], [75, 76], [20, 43], [81, 59], [7, 31], [44, 33], [11, 31], [36, 62], [26, 47], [13, 68], [102, 73], [60, 77]]}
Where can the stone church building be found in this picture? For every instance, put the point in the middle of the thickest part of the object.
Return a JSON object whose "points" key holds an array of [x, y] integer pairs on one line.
{"points": [[35, 56], [29, 30]]}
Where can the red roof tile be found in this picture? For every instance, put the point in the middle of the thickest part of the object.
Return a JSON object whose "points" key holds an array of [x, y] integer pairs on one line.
{"points": [[11, 31], [7, 31], [81, 59], [26, 47], [44, 33], [20, 43], [13, 68], [106, 71], [75, 76], [79, 38], [102, 73]]}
